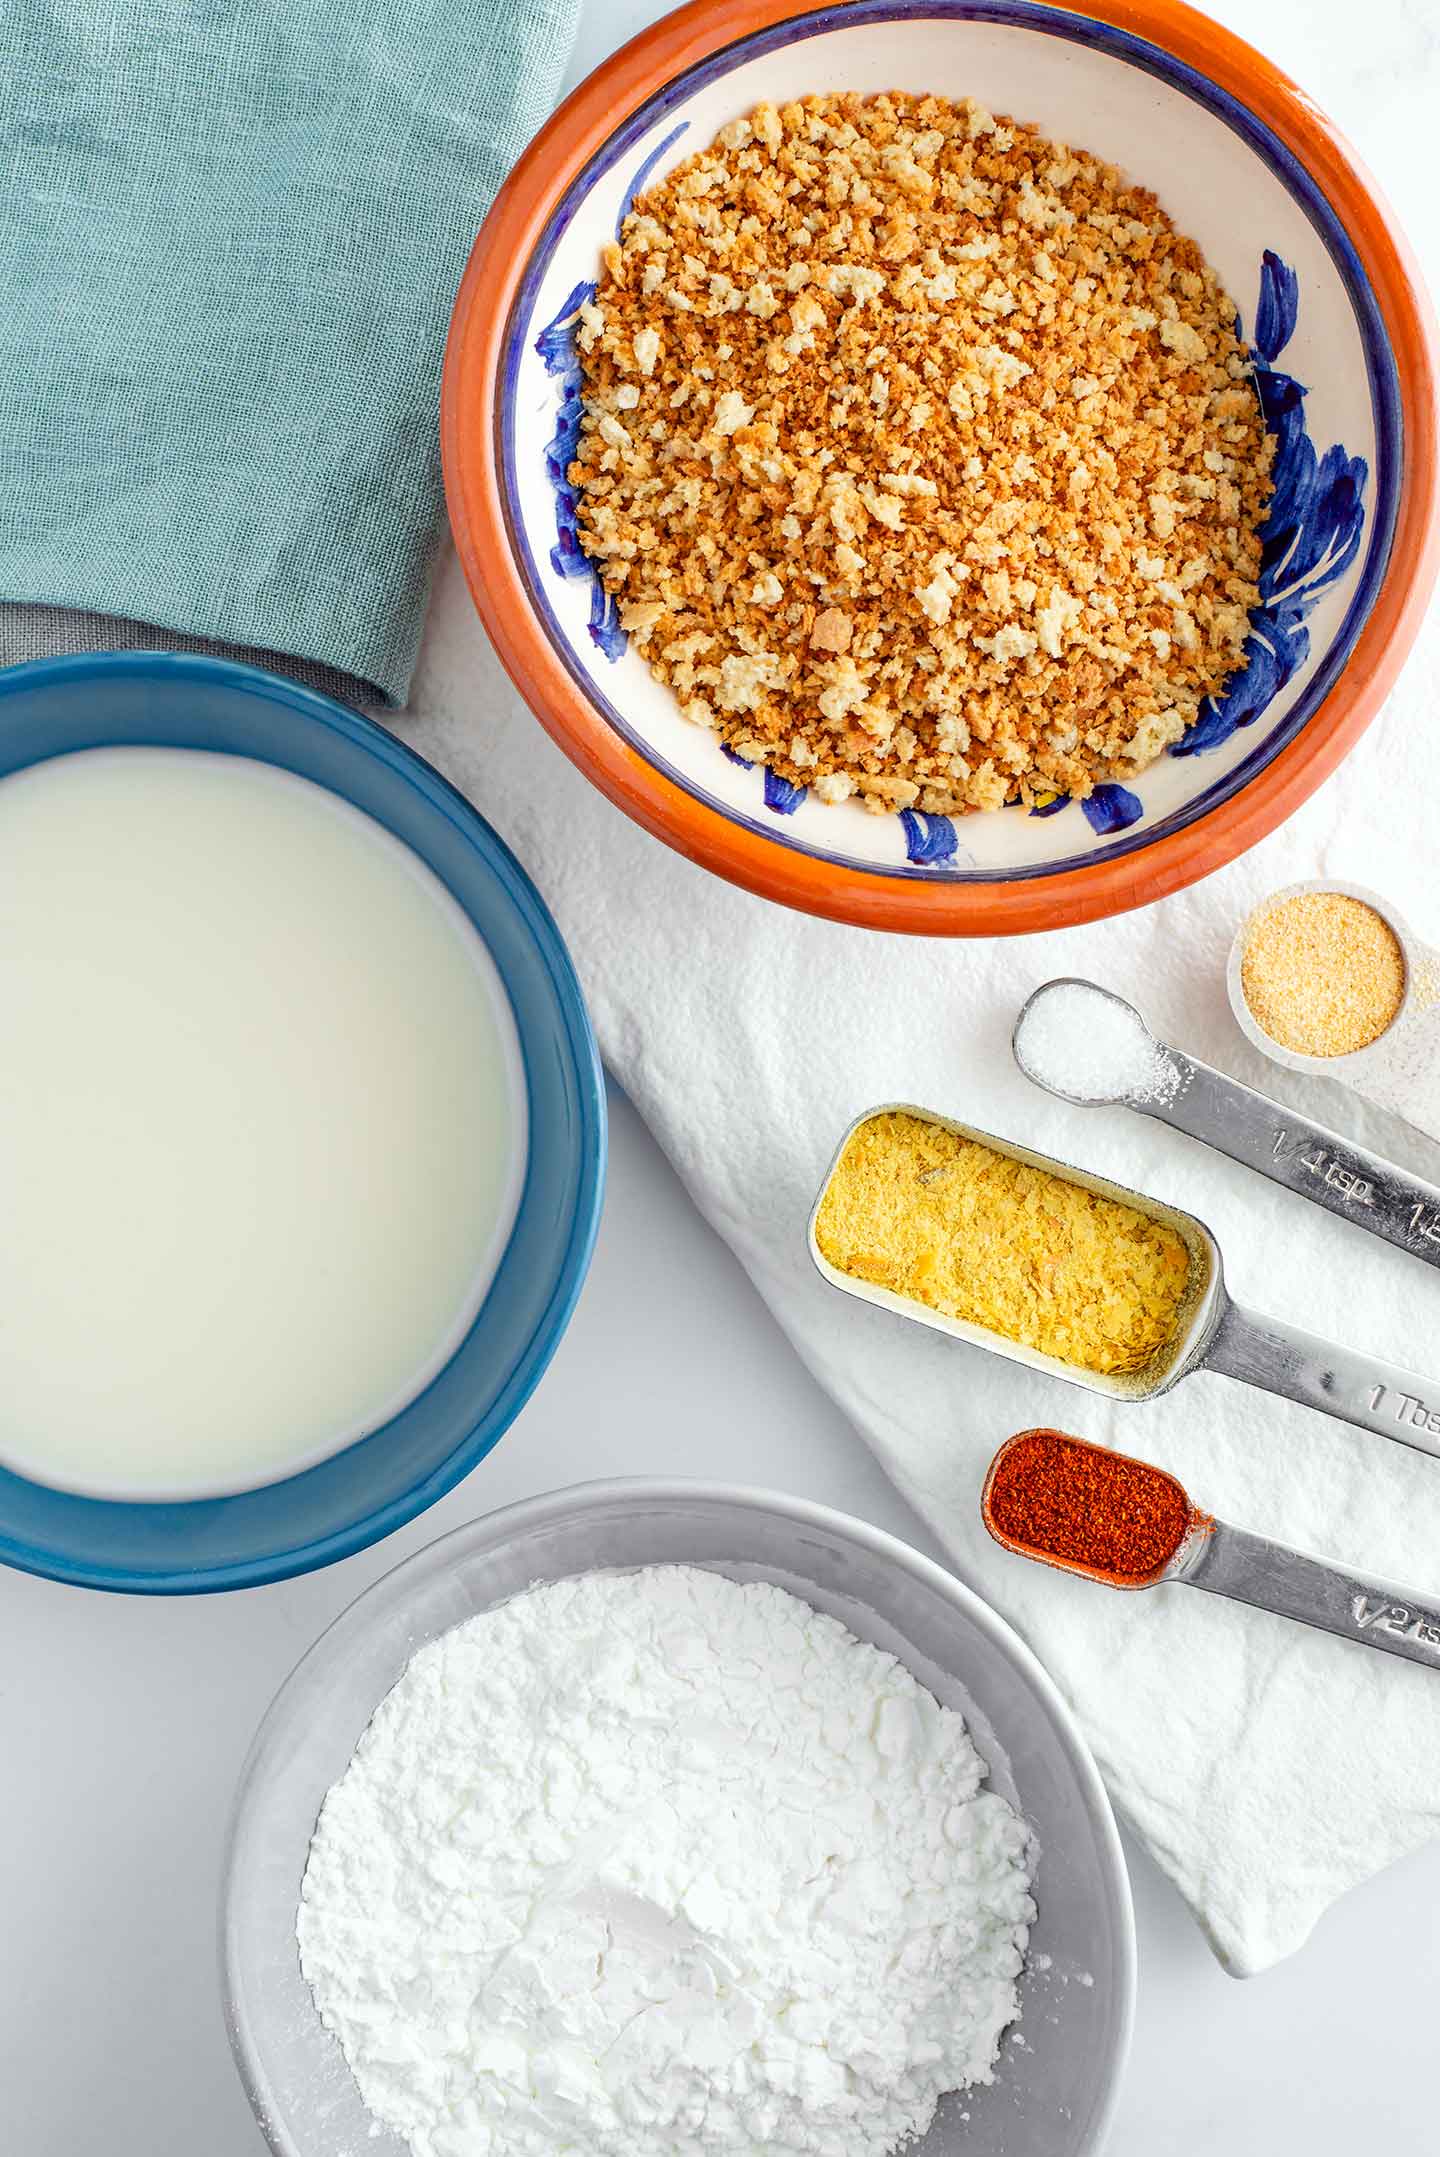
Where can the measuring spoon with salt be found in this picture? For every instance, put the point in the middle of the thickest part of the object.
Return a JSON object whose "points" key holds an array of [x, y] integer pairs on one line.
{"points": [[1212, 1331], [1251, 1569], [1089, 1046]]}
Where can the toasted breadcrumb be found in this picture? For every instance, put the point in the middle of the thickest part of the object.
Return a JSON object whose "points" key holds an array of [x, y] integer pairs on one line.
{"points": [[915, 1208], [935, 447]]}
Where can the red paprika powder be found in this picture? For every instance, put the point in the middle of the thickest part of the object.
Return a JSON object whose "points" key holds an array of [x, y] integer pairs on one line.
{"points": [[1077, 1505]]}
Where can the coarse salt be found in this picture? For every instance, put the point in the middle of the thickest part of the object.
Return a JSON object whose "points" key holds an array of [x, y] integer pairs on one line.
{"points": [[1077, 1039]]}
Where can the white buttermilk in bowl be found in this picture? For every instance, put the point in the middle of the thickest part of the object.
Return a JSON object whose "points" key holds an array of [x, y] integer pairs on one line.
{"points": [[262, 1129]]}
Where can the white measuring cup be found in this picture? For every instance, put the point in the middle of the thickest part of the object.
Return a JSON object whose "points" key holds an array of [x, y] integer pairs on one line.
{"points": [[1213, 1332]]}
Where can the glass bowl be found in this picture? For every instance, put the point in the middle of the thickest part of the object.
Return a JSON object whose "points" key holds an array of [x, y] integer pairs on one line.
{"points": [[183, 700], [1051, 2097]]}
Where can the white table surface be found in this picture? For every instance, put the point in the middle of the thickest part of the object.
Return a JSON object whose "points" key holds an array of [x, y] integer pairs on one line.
{"points": [[123, 1722]]}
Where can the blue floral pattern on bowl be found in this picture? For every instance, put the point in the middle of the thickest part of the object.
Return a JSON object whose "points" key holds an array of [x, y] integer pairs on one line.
{"points": [[559, 350], [1312, 530], [1312, 534]]}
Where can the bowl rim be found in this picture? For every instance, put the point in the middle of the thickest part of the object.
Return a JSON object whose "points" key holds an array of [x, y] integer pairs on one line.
{"points": [[389, 1595], [473, 404], [572, 1262]]}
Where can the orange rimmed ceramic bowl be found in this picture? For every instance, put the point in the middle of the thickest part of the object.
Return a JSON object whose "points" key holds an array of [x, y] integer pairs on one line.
{"points": [[1345, 367]]}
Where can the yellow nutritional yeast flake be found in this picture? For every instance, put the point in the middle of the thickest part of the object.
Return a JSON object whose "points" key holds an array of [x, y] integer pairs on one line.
{"points": [[915, 1208], [1322, 973]]}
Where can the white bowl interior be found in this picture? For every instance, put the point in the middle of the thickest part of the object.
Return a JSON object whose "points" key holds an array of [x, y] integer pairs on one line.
{"points": [[1051, 2096], [1223, 180]]}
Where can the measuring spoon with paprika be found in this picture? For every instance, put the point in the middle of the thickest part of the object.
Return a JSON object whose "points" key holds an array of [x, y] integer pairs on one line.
{"points": [[1087, 1510]]}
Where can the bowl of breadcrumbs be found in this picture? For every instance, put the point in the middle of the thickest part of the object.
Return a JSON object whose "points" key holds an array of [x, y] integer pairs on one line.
{"points": [[944, 474]]}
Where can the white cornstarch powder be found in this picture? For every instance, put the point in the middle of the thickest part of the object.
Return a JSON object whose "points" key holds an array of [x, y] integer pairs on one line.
{"points": [[1080, 1040], [643, 1864]]}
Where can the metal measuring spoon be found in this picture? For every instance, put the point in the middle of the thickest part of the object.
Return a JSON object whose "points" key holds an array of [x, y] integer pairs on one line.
{"points": [[1251, 1569], [1259, 1133], [1213, 1332]]}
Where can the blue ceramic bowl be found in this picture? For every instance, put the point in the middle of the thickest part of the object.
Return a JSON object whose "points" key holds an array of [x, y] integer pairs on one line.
{"points": [[183, 701]]}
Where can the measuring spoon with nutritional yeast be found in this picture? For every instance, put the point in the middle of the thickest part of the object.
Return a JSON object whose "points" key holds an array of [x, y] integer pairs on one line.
{"points": [[1212, 1331], [1247, 1568], [1089, 1046]]}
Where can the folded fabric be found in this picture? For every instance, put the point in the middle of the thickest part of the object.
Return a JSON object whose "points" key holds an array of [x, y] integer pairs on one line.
{"points": [[1266, 1766], [233, 236]]}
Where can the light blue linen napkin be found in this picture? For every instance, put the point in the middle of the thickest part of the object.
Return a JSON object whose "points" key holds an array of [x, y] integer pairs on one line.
{"points": [[232, 235]]}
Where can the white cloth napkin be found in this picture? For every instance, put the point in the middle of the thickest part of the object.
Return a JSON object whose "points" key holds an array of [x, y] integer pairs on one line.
{"points": [[1268, 1767]]}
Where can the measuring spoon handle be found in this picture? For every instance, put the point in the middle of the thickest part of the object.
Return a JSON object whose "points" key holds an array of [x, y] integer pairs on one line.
{"points": [[1345, 1179], [1375, 1396], [1250, 1569]]}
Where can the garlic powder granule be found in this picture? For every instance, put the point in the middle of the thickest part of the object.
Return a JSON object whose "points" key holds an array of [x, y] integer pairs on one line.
{"points": [[1322, 973]]}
